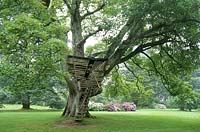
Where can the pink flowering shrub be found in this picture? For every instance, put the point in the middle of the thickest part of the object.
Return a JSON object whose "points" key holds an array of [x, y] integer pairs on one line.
{"points": [[121, 107], [129, 106], [113, 107]]}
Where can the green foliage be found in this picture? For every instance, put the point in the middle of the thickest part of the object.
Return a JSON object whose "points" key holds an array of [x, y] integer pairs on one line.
{"points": [[33, 50], [1, 101], [53, 98], [187, 100], [95, 49], [195, 80], [171, 103], [32, 46], [135, 91], [1, 105], [56, 103]]}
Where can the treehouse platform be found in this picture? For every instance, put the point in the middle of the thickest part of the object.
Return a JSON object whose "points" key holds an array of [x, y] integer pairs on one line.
{"points": [[88, 73]]}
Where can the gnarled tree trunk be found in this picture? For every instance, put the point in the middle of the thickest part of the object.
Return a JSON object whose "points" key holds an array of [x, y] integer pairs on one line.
{"points": [[77, 105], [80, 92]]}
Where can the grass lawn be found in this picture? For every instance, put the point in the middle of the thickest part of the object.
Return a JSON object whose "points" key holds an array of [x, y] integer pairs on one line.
{"points": [[139, 121]]}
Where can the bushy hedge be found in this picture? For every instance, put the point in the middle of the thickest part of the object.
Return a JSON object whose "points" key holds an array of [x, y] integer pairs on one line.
{"points": [[96, 106], [1, 105], [56, 104]]}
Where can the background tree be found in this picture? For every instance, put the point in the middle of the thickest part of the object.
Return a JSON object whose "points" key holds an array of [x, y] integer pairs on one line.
{"points": [[195, 81], [32, 47]]}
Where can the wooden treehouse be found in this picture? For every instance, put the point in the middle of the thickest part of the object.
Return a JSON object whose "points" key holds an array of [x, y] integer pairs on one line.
{"points": [[88, 74]]}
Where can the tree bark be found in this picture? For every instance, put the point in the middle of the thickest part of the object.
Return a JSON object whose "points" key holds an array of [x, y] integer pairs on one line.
{"points": [[76, 29], [78, 99], [77, 106]]}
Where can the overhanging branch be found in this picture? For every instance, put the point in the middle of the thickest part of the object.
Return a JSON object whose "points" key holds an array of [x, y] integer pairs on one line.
{"points": [[132, 54], [142, 68], [118, 47], [119, 37], [163, 78], [169, 24], [171, 57], [137, 78], [100, 7], [89, 35], [144, 47]]}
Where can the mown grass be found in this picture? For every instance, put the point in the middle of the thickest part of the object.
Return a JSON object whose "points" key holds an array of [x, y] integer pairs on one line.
{"points": [[139, 121]]}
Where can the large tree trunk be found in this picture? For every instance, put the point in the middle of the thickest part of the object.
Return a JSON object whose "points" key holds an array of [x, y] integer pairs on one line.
{"points": [[25, 100], [78, 99], [77, 105]]}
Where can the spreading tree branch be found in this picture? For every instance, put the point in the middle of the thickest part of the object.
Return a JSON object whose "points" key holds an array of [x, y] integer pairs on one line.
{"points": [[100, 7], [139, 65], [82, 42], [144, 47], [171, 57], [118, 47], [118, 39]]}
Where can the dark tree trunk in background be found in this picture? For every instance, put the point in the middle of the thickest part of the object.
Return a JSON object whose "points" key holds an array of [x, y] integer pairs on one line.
{"points": [[25, 105], [25, 100], [182, 108]]}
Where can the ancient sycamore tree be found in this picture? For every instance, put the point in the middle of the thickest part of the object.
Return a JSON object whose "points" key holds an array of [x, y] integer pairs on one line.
{"points": [[166, 33]]}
